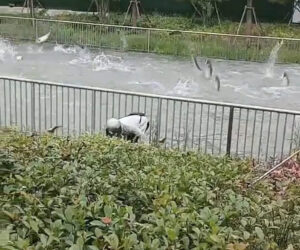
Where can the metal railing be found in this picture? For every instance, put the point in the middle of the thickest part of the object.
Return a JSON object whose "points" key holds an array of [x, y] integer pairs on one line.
{"points": [[175, 42], [187, 124]]}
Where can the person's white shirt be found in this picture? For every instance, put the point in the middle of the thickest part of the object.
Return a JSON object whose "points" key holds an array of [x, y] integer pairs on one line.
{"points": [[134, 124], [132, 127]]}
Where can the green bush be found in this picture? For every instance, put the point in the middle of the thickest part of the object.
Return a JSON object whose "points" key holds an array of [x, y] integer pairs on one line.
{"points": [[95, 193]]}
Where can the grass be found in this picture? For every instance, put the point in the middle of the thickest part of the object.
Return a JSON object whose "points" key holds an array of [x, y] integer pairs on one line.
{"points": [[178, 22], [95, 193]]}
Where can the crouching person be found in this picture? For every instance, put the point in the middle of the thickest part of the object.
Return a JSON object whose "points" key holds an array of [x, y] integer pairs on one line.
{"points": [[131, 127]]}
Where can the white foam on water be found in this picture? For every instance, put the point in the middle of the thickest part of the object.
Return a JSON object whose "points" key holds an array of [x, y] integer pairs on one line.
{"points": [[294, 71], [183, 88], [66, 50], [7, 50], [275, 92], [235, 72], [107, 62], [100, 62], [155, 85], [83, 58], [207, 72], [280, 91], [35, 49], [245, 90]]}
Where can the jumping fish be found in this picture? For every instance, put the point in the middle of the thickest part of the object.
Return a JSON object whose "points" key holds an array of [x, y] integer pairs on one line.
{"points": [[209, 65], [218, 82], [285, 79], [196, 63], [43, 39]]}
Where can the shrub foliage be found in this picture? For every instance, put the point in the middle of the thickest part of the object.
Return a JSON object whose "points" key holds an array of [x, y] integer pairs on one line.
{"points": [[95, 193]]}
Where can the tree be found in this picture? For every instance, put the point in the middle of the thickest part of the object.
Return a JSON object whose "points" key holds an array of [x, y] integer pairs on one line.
{"points": [[205, 8], [102, 8], [249, 20]]}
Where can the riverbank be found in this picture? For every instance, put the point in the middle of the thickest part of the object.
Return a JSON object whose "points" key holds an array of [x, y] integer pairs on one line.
{"points": [[175, 22]]}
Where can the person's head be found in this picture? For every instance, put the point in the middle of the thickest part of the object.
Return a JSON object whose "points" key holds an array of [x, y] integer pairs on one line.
{"points": [[113, 128]]}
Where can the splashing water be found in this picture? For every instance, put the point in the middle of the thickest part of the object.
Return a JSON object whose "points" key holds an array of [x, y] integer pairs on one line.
{"points": [[35, 49], [182, 88], [272, 59], [106, 62], [124, 41], [152, 84], [66, 50], [83, 58], [6, 49], [100, 62]]}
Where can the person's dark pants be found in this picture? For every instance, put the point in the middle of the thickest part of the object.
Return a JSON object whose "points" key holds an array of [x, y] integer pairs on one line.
{"points": [[132, 137]]}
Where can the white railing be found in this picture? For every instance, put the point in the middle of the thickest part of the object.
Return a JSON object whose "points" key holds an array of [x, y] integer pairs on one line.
{"points": [[187, 124]]}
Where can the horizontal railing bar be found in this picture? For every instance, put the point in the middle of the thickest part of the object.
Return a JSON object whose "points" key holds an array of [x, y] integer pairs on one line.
{"points": [[155, 29], [224, 104]]}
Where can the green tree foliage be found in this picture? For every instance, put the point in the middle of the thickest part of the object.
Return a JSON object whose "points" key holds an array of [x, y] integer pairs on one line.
{"points": [[204, 8], [102, 7]]}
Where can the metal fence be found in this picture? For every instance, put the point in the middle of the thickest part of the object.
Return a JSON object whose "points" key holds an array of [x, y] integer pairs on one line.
{"points": [[174, 42], [187, 124]]}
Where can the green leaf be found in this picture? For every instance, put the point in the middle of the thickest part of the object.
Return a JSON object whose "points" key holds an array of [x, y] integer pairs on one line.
{"points": [[96, 223], [92, 248], [186, 242], [75, 247], [197, 231], [19, 177], [214, 238], [290, 247], [259, 233], [108, 211], [246, 235], [130, 241], [80, 242], [155, 244], [4, 237], [98, 232], [22, 244], [237, 246], [171, 234], [69, 213], [244, 222], [43, 239], [34, 226], [112, 240]]}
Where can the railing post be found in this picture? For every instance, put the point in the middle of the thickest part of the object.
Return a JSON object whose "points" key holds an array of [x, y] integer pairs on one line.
{"points": [[100, 36], [229, 132], [148, 40], [36, 29], [32, 106], [4, 100], [93, 112], [0, 110], [158, 120]]}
